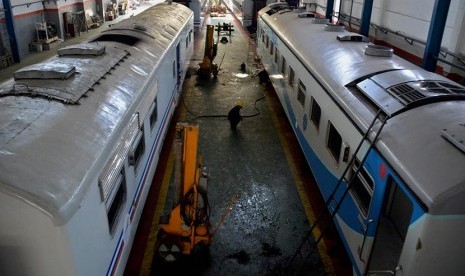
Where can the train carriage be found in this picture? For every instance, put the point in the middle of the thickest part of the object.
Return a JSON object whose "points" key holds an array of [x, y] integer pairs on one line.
{"points": [[383, 138], [80, 137]]}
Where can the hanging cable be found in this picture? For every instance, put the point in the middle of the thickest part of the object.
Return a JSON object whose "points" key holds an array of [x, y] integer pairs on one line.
{"points": [[221, 115], [224, 115]]}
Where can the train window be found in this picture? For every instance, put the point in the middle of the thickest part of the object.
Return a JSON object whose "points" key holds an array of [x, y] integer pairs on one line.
{"points": [[361, 188], [271, 48], [291, 76], [301, 93], [137, 149], [116, 202], [174, 68], [315, 113], [276, 56], [267, 41], [334, 142], [153, 114], [283, 66], [187, 41]]}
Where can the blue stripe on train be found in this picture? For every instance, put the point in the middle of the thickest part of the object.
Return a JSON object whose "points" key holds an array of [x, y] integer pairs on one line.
{"points": [[327, 181], [155, 147]]}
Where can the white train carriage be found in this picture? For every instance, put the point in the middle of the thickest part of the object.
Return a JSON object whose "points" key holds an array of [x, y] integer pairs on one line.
{"points": [[404, 210], [80, 137]]}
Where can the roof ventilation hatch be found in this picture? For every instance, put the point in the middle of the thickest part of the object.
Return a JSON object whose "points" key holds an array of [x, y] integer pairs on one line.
{"points": [[85, 49], [378, 51], [45, 71], [307, 15], [351, 37], [320, 21], [334, 27], [414, 91], [139, 27]]}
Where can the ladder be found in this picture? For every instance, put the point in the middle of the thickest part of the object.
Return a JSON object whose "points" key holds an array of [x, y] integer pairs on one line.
{"points": [[304, 252]]}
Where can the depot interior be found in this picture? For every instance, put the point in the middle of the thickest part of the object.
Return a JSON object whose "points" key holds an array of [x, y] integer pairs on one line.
{"points": [[31, 30], [34, 26]]}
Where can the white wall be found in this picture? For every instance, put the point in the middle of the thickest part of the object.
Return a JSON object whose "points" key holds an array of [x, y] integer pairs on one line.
{"points": [[412, 18]]}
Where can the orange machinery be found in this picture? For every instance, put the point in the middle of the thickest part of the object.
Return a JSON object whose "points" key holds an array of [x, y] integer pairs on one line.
{"points": [[188, 224], [207, 66]]}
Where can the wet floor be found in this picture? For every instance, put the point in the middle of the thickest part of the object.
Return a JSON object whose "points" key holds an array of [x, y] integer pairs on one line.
{"points": [[267, 220]]}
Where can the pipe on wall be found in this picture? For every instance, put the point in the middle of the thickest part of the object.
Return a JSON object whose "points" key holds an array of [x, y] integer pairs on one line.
{"points": [[11, 29], [435, 34]]}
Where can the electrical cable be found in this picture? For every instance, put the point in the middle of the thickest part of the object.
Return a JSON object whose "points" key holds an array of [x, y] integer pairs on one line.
{"points": [[221, 115], [202, 214]]}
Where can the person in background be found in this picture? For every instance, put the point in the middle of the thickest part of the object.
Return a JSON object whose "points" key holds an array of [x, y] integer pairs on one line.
{"points": [[234, 115]]}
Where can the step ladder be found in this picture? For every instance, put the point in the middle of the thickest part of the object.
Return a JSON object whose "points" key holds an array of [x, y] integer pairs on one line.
{"points": [[308, 244]]}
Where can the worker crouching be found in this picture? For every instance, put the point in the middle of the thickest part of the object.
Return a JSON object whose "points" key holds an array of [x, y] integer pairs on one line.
{"points": [[234, 115]]}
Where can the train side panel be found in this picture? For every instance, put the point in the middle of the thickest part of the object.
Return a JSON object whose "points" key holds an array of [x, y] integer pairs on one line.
{"points": [[365, 216], [312, 139], [30, 244], [143, 90], [428, 253], [405, 198]]}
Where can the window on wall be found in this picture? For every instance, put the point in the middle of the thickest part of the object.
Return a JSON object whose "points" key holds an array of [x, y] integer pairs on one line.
{"points": [[361, 188], [267, 41], [315, 113], [263, 35], [291, 76], [276, 56], [271, 48], [301, 93], [334, 142], [283, 66]]}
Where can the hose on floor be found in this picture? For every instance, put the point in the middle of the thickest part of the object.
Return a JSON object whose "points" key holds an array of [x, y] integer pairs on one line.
{"points": [[222, 115]]}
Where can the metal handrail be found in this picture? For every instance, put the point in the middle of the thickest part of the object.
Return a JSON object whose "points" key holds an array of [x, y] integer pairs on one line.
{"points": [[410, 40], [390, 272], [365, 233]]}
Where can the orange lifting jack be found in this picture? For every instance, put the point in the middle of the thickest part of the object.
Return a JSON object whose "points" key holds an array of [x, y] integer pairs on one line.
{"points": [[207, 66], [188, 224]]}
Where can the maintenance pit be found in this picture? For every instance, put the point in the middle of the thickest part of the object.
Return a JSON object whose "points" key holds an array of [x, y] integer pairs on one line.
{"points": [[258, 183]]}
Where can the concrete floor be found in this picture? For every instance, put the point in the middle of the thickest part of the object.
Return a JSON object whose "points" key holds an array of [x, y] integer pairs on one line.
{"points": [[268, 220]]}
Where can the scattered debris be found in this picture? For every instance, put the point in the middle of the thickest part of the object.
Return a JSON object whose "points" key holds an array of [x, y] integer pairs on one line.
{"points": [[241, 256], [270, 251]]}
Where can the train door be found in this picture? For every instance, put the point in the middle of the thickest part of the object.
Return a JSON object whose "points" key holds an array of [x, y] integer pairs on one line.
{"points": [[257, 6], [384, 216], [393, 224]]}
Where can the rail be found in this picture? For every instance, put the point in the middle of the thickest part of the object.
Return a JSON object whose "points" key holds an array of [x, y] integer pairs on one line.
{"points": [[390, 272], [28, 4], [452, 64]]}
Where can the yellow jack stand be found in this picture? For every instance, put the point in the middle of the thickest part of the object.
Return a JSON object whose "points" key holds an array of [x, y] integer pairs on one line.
{"points": [[188, 224]]}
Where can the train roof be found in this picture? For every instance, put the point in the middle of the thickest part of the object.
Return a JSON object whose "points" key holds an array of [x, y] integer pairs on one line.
{"points": [[423, 139], [60, 118]]}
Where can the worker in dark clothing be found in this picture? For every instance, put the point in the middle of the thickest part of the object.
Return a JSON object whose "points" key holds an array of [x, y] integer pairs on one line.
{"points": [[234, 115]]}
